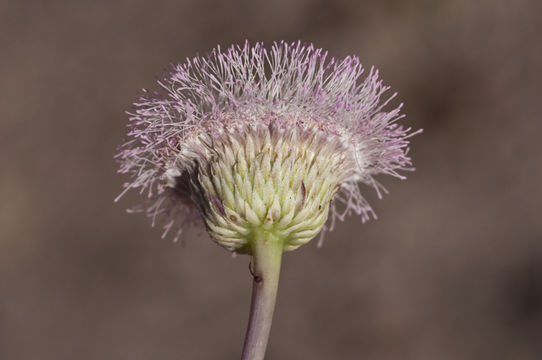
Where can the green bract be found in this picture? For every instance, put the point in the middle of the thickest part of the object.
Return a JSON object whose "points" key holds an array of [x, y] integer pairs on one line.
{"points": [[272, 179]]}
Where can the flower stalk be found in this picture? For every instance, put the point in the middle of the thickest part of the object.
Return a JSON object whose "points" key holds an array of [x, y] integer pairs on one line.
{"points": [[267, 251]]}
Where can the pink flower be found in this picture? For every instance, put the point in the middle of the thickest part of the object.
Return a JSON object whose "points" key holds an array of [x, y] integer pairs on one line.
{"points": [[189, 140]]}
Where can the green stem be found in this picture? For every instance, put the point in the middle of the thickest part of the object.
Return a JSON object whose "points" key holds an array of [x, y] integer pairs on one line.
{"points": [[266, 254]]}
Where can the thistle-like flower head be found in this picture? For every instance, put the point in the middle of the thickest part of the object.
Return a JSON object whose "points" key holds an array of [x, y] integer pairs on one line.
{"points": [[251, 140]]}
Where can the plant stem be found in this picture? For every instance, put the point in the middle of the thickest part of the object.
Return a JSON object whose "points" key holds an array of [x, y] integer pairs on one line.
{"points": [[266, 254]]}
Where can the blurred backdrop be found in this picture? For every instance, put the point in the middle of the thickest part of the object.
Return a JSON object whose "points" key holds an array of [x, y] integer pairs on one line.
{"points": [[451, 270]]}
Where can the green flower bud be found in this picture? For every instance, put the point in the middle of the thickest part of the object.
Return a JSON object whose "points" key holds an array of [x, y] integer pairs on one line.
{"points": [[272, 179]]}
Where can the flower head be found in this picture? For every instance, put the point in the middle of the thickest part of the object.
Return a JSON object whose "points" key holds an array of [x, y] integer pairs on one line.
{"points": [[254, 140]]}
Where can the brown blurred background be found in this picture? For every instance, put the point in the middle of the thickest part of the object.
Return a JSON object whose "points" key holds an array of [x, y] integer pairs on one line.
{"points": [[451, 270]]}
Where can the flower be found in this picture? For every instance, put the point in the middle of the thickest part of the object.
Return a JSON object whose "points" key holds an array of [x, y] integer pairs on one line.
{"points": [[254, 140]]}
